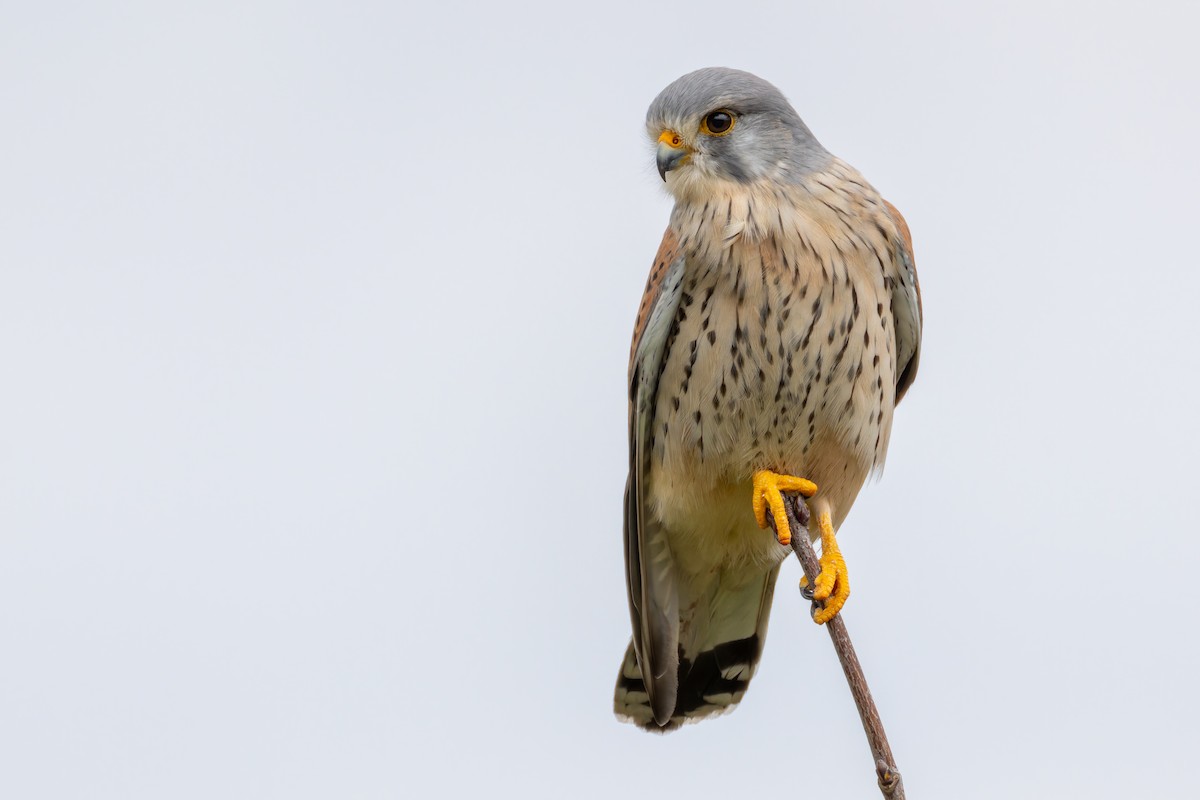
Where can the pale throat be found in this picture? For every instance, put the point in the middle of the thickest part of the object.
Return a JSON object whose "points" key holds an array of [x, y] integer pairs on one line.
{"points": [[719, 213], [713, 214]]}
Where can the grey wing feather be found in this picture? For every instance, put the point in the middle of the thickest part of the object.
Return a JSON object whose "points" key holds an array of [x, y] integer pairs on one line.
{"points": [[649, 567], [906, 307]]}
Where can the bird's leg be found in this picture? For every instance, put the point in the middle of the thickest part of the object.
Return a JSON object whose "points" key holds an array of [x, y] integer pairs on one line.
{"points": [[768, 492], [832, 586]]}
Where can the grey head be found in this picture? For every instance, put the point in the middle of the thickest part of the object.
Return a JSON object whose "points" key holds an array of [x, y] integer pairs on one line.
{"points": [[728, 125]]}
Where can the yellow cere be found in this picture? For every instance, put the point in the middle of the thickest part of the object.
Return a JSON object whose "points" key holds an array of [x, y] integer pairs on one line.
{"points": [[671, 139]]}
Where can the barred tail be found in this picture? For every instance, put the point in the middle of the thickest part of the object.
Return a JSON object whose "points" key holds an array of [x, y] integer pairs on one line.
{"points": [[731, 628]]}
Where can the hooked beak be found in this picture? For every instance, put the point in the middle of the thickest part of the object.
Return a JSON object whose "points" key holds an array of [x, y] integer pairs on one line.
{"points": [[672, 152]]}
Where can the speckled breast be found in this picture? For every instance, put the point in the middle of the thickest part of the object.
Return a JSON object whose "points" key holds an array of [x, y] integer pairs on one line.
{"points": [[779, 358]]}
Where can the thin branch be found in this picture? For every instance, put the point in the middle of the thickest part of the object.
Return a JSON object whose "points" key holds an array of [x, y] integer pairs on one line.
{"points": [[890, 782]]}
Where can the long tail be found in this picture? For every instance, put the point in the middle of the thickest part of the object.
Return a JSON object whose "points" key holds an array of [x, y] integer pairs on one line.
{"points": [[720, 645]]}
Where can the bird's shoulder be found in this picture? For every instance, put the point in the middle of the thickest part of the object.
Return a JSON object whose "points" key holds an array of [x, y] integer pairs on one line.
{"points": [[668, 251]]}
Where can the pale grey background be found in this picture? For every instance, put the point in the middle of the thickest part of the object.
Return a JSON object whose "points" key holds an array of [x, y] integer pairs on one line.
{"points": [[313, 329]]}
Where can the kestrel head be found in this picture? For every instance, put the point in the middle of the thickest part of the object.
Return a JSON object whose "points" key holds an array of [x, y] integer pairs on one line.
{"points": [[725, 125]]}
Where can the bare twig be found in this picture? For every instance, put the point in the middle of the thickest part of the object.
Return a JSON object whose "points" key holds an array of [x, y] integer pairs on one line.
{"points": [[890, 782]]}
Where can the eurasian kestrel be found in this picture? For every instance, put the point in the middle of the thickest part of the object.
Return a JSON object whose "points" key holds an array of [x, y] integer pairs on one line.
{"points": [[780, 326]]}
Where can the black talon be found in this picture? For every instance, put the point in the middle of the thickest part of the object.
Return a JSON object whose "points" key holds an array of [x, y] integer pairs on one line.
{"points": [[800, 508], [806, 591]]}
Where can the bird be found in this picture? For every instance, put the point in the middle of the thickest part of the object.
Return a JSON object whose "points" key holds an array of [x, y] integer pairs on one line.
{"points": [[779, 328]]}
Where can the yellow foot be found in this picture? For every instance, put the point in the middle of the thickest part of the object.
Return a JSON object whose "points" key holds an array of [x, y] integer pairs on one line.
{"points": [[833, 584], [768, 491]]}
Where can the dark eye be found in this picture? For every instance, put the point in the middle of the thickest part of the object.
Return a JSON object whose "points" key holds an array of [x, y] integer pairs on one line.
{"points": [[718, 123]]}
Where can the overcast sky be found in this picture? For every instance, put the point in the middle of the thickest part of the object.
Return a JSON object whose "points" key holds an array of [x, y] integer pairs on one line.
{"points": [[314, 322]]}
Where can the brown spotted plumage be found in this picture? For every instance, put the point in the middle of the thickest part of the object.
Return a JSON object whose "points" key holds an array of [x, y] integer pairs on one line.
{"points": [[780, 326], [667, 253]]}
